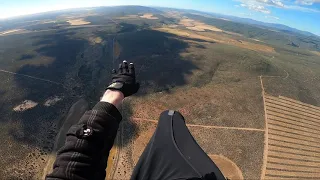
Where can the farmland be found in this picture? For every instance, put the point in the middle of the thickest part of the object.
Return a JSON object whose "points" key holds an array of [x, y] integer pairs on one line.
{"points": [[223, 76]]}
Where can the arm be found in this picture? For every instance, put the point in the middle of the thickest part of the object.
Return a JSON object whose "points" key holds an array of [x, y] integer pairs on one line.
{"points": [[84, 155], [86, 150]]}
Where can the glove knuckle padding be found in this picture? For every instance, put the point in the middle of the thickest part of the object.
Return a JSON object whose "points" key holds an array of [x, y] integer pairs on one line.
{"points": [[126, 77]]}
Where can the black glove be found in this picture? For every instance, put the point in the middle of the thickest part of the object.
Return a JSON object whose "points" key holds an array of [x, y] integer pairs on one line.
{"points": [[125, 79]]}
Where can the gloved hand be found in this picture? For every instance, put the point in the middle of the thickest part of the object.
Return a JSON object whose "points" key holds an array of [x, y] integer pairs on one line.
{"points": [[125, 79]]}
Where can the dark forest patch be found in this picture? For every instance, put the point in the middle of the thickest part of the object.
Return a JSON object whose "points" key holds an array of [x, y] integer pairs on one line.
{"points": [[26, 57]]}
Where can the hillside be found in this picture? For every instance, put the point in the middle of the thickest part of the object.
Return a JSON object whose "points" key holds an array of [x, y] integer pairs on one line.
{"points": [[216, 72]]}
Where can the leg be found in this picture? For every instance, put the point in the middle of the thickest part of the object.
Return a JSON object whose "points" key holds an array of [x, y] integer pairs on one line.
{"points": [[172, 153]]}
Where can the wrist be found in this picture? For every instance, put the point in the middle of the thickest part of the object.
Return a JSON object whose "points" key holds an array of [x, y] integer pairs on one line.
{"points": [[114, 97]]}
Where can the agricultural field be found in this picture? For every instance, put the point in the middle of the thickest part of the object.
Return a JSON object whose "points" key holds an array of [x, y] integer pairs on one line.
{"points": [[227, 78], [292, 148]]}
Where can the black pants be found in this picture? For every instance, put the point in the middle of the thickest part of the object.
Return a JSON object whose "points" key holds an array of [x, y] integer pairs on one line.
{"points": [[172, 153]]}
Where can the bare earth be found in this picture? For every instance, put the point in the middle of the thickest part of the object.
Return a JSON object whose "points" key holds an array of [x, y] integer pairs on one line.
{"points": [[95, 40], [240, 153], [200, 67], [198, 26], [316, 53], [25, 105], [10, 31], [148, 16], [291, 139], [227, 167], [53, 100], [235, 155], [211, 37], [76, 22], [128, 17]]}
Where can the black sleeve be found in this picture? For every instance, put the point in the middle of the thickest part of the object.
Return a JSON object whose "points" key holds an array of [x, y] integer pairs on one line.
{"points": [[85, 153]]}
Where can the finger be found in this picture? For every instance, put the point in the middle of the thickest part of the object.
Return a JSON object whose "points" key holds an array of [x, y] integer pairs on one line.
{"points": [[114, 71], [120, 68], [125, 66], [131, 68]]}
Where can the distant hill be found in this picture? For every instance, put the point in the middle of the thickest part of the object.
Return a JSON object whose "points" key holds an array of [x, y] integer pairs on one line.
{"points": [[271, 33], [266, 34], [109, 11], [277, 34], [279, 27], [127, 10]]}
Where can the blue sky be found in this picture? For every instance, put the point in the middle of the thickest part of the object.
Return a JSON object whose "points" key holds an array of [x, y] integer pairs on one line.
{"points": [[300, 14]]}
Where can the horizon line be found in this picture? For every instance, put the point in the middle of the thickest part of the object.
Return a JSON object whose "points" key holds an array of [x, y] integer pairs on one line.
{"points": [[65, 9]]}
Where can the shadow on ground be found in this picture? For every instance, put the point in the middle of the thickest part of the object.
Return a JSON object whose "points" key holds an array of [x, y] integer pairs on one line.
{"points": [[64, 50], [159, 67]]}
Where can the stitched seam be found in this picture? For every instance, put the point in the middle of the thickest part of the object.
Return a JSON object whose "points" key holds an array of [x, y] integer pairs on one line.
{"points": [[75, 157], [90, 122], [67, 172], [176, 146], [74, 163], [75, 154], [91, 118]]}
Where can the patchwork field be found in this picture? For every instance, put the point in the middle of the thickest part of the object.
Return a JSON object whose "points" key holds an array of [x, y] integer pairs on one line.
{"points": [[249, 94], [292, 136], [76, 22]]}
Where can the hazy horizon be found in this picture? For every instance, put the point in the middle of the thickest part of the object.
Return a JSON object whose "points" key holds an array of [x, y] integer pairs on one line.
{"points": [[299, 14]]}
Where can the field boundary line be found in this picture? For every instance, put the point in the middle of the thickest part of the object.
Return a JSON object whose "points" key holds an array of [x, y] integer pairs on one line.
{"points": [[313, 107], [32, 77], [266, 143], [204, 126]]}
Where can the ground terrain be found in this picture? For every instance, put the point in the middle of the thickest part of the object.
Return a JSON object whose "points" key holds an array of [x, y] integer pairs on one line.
{"points": [[244, 90]]}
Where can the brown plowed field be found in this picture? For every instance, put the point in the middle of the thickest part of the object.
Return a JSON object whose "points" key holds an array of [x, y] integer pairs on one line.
{"points": [[293, 139]]}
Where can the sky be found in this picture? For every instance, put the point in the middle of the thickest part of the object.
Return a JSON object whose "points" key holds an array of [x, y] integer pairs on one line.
{"points": [[299, 14]]}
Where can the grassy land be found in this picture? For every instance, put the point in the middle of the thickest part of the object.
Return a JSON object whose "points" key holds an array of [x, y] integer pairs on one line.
{"points": [[269, 35], [212, 82]]}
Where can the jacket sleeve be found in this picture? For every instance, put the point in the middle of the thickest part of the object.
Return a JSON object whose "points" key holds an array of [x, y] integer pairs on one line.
{"points": [[85, 153]]}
